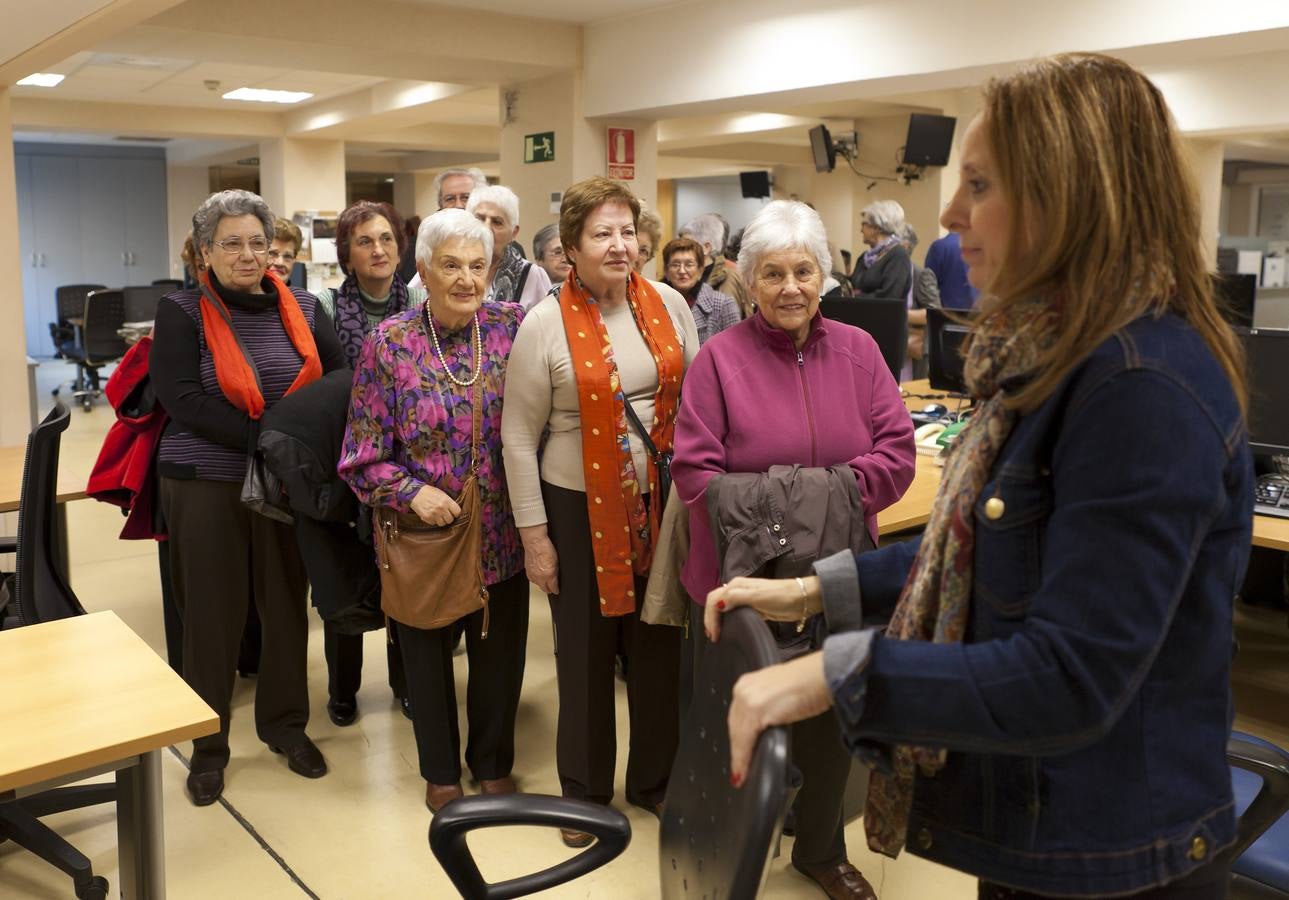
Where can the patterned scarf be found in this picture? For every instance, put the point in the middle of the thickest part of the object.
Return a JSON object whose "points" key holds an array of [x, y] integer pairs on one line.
{"points": [[351, 315], [935, 602], [875, 253], [505, 284], [622, 531]]}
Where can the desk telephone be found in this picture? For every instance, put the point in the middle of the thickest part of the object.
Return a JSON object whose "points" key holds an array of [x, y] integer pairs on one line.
{"points": [[1271, 496]]}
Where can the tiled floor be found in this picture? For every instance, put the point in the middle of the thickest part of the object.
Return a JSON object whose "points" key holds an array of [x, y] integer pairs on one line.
{"points": [[360, 832]]}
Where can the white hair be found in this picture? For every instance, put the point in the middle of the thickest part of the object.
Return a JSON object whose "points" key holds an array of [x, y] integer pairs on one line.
{"points": [[886, 216], [783, 225], [448, 225], [909, 235], [225, 204], [709, 228], [499, 196], [472, 173]]}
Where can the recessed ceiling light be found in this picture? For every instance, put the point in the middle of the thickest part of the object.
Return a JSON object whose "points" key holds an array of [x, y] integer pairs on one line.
{"points": [[42, 79], [265, 96]]}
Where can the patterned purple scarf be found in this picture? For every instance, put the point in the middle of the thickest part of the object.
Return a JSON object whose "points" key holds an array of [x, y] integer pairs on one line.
{"points": [[873, 254], [935, 602], [351, 315]]}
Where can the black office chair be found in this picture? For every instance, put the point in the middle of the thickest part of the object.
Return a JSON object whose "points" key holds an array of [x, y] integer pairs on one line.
{"points": [[70, 302], [170, 284], [1260, 855], [141, 300], [885, 319], [716, 840], [41, 594], [100, 343]]}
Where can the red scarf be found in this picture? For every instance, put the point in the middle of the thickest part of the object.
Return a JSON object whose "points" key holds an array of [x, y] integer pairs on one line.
{"points": [[236, 377], [621, 532]]}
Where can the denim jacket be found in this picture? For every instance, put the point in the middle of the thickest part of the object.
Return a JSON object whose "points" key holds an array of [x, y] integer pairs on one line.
{"points": [[1087, 712]]}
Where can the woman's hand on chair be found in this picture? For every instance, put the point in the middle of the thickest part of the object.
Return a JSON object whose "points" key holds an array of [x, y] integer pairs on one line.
{"points": [[776, 695], [435, 507], [540, 560], [776, 599]]}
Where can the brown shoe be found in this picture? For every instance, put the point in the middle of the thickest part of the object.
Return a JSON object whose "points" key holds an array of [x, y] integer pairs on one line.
{"points": [[840, 881], [438, 796], [574, 838], [503, 785]]}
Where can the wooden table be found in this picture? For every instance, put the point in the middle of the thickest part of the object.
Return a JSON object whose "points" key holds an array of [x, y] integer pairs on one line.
{"points": [[70, 486], [86, 695], [913, 510]]}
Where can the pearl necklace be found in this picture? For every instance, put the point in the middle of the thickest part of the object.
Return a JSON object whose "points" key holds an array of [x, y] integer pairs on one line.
{"points": [[438, 350]]}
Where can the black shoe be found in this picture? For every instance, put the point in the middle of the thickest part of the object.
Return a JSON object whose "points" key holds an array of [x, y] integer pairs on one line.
{"points": [[654, 809], [342, 712], [303, 758], [406, 704], [205, 787]]}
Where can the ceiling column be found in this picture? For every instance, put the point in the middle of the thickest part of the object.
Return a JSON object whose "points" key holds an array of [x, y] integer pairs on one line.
{"points": [[298, 175], [15, 411]]}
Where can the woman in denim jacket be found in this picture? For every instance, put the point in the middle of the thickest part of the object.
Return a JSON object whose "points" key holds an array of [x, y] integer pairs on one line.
{"points": [[1048, 705]]}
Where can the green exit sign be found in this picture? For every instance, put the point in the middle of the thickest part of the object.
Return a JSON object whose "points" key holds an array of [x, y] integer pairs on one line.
{"points": [[539, 147]]}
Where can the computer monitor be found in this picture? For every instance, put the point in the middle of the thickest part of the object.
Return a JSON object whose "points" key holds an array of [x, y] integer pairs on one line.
{"points": [[822, 149], [945, 334], [929, 140], [754, 184], [886, 319], [1267, 350], [1236, 295]]}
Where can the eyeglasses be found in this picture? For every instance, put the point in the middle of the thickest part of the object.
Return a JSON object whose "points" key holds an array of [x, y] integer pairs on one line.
{"points": [[646, 253], [555, 252], [682, 266], [235, 246], [285, 255], [453, 200]]}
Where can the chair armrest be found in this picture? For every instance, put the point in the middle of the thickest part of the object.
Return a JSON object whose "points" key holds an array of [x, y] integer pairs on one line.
{"points": [[1272, 800], [453, 822]]}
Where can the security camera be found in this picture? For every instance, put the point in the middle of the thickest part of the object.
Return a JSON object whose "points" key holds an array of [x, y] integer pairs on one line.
{"points": [[211, 84]]}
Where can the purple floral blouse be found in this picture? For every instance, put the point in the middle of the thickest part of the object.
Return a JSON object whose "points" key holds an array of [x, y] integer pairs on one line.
{"points": [[409, 424]]}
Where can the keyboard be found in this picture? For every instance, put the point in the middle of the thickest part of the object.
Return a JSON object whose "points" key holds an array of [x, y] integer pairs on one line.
{"points": [[1271, 497]]}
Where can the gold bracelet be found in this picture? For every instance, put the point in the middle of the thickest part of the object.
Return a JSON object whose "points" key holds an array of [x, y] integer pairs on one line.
{"points": [[801, 625]]}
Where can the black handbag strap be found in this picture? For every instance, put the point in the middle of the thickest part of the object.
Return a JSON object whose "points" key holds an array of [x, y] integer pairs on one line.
{"points": [[640, 430]]}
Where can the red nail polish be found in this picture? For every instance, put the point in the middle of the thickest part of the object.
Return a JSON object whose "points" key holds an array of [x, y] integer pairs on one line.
{"points": [[735, 779], [720, 604]]}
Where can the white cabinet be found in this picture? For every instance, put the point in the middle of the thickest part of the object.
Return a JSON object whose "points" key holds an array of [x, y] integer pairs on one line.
{"points": [[86, 215]]}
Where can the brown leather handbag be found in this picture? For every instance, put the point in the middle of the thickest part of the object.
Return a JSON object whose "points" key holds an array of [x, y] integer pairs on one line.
{"points": [[432, 575]]}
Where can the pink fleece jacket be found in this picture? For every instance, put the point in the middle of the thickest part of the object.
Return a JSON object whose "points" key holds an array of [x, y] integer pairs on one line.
{"points": [[751, 401]]}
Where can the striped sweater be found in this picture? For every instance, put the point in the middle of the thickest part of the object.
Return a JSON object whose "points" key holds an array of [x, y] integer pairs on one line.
{"points": [[207, 436]]}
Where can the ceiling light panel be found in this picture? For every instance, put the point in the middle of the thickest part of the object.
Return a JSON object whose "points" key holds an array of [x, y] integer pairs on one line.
{"points": [[260, 95], [41, 79]]}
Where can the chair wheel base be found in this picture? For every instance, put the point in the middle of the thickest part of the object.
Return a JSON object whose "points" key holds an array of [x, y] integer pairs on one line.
{"points": [[96, 890]]}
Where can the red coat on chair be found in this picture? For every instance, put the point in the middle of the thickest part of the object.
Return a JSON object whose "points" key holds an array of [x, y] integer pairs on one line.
{"points": [[125, 472]]}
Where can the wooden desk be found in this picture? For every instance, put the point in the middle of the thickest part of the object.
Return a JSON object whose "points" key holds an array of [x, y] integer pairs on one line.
{"points": [[86, 695], [70, 486], [913, 510]]}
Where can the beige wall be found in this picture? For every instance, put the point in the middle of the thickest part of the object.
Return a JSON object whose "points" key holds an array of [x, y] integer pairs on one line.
{"points": [[186, 188], [1206, 158], [15, 411], [297, 175]]}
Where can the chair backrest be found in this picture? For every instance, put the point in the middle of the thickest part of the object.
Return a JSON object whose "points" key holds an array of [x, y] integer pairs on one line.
{"points": [[104, 316], [1260, 855], [141, 300], [299, 276], [41, 594], [70, 300], [886, 319], [715, 840], [170, 284]]}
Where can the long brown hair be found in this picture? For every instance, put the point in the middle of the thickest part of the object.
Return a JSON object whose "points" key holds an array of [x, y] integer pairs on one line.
{"points": [[1089, 156]]}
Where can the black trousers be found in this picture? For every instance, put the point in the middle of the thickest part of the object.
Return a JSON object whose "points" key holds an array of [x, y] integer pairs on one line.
{"points": [[586, 742], [169, 612], [1211, 882], [344, 653], [492, 695], [824, 762], [221, 551]]}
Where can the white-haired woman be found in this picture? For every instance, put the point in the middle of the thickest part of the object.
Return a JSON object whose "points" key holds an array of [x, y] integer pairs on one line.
{"points": [[786, 386], [885, 269], [510, 276], [407, 446], [221, 552]]}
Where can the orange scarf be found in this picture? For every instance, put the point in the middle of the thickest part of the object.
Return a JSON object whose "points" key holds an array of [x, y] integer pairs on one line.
{"points": [[237, 379], [622, 533]]}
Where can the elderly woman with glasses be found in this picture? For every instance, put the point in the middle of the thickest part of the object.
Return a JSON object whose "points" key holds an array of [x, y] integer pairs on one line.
{"points": [[408, 446], [222, 354], [287, 241], [787, 387], [649, 237], [682, 261], [549, 253], [585, 492]]}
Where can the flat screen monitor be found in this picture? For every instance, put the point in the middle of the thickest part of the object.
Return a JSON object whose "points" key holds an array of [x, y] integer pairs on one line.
{"points": [[929, 140], [754, 184], [1267, 350], [885, 319], [945, 335], [1236, 295], [822, 149]]}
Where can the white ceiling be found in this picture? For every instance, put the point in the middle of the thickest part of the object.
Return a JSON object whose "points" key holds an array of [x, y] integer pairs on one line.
{"points": [[580, 12]]}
